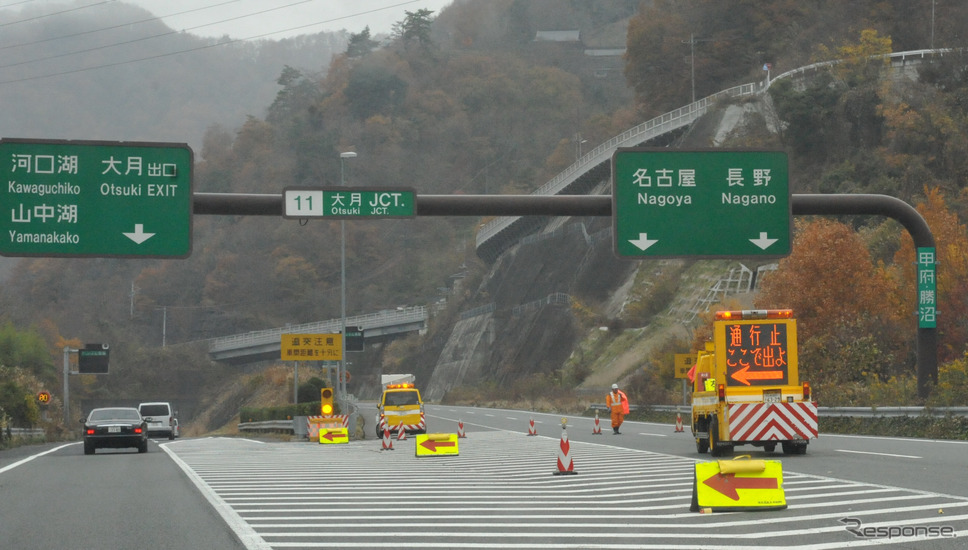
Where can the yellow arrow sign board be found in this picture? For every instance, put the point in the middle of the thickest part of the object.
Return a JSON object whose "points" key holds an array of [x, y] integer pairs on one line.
{"points": [[436, 444], [738, 485], [334, 435]]}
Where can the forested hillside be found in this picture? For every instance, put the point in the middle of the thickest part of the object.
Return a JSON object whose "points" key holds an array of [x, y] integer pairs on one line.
{"points": [[470, 101], [110, 71]]}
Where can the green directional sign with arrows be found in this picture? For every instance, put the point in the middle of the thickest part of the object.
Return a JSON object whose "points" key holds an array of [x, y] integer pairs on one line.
{"points": [[715, 203], [95, 199]]}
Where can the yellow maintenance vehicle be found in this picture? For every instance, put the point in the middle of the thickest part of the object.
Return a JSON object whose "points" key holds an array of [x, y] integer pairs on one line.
{"points": [[746, 388], [400, 405]]}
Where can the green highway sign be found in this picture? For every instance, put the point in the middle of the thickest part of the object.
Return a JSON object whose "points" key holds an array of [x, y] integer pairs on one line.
{"points": [[715, 203], [349, 202], [95, 199]]}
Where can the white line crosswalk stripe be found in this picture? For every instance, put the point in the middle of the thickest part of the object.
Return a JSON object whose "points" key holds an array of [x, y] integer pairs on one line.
{"points": [[499, 492]]}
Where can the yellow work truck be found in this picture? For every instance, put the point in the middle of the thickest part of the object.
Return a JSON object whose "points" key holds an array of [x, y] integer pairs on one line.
{"points": [[746, 388], [400, 405]]}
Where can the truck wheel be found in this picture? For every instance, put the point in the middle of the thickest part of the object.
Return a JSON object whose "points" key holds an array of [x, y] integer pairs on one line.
{"points": [[702, 443], [769, 447], [715, 449], [794, 448]]}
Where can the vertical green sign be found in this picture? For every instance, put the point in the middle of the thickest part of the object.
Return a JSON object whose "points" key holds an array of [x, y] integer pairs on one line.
{"points": [[927, 289], [715, 203], [93, 198]]}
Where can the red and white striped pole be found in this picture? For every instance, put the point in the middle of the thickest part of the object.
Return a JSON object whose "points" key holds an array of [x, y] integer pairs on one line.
{"points": [[387, 442], [460, 429], [532, 430], [565, 465], [401, 433]]}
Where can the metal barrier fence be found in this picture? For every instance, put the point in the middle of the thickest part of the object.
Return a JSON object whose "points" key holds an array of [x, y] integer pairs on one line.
{"points": [[670, 121], [857, 412], [379, 319]]}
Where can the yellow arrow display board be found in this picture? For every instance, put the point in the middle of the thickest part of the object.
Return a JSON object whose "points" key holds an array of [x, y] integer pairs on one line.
{"points": [[334, 435], [738, 485], [436, 444]]}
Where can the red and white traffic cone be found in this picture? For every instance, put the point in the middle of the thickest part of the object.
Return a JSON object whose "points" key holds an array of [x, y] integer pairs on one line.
{"points": [[460, 429], [597, 430], [401, 433], [678, 422], [565, 465], [387, 442], [532, 430]]}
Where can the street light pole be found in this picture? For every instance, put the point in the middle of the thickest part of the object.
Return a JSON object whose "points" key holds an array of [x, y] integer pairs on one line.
{"points": [[341, 371]]}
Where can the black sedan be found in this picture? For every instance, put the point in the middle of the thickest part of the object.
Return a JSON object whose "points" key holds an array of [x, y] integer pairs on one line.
{"points": [[115, 427]]}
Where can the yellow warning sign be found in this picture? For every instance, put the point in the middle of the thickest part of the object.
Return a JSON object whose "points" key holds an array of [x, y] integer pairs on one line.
{"points": [[684, 362], [334, 435], [311, 347], [739, 484], [436, 444]]}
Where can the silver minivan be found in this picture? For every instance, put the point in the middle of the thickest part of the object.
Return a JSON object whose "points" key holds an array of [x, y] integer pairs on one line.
{"points": [[160, 418]]}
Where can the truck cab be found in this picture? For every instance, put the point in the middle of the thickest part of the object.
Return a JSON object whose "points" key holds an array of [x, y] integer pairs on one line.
{"points": [[399, 405]]}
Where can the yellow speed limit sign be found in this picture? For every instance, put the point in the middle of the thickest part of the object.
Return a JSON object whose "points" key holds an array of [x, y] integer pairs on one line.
{"points": [[43, 397]]}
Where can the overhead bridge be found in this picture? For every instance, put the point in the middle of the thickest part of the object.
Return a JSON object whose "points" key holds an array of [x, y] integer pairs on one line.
{"points": [[266, 345]]}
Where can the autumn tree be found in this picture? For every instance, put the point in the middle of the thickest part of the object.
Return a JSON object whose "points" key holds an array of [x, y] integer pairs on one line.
{"points": [[849, 321]]}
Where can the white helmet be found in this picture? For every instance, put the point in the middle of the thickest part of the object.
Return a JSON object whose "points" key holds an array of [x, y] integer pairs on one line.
{"points": [[614, 386]]}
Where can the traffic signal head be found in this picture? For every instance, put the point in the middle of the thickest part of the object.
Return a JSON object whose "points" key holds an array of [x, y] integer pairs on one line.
{"points": [[326, 401]]}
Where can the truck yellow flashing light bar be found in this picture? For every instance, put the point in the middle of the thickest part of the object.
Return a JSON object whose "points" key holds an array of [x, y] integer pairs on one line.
{"points": [[748, 314], [399, 386]]}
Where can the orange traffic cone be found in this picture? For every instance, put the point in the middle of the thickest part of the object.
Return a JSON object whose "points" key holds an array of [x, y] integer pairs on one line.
{"points": [[387, 442], [565, 465], [597, 430], [401, 433], [460, 429], [532, 430]]}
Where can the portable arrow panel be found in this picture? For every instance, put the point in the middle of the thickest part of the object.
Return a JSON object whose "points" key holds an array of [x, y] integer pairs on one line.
{"points": [[715, 203], [334, 435], [436, 444], [738, 485]]}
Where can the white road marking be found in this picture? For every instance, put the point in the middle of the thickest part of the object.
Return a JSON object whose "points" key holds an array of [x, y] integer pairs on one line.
{"points": [[877, 454]]}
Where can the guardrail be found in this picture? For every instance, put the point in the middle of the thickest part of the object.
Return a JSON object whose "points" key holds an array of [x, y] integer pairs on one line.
{"points": [[668, 122], [649, 129], [24, 432], [267, 426], [858, 412], [379, 319]]}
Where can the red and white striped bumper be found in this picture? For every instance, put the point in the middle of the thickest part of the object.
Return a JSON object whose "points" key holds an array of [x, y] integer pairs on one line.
{"points": [[772, 421]]}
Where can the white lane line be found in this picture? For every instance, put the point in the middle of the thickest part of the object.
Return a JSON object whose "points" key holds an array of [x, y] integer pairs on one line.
{"points": [[29, 458], [877, 454]]}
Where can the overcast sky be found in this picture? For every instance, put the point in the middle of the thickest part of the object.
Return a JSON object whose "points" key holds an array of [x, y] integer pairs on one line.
{"points": [[270, 19]]}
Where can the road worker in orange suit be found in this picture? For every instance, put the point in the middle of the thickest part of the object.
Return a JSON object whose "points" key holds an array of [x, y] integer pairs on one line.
{"points": [[618, 404]]}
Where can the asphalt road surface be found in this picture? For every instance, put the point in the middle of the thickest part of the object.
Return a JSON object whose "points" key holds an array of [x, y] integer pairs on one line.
{"points": [[630, 491]]}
